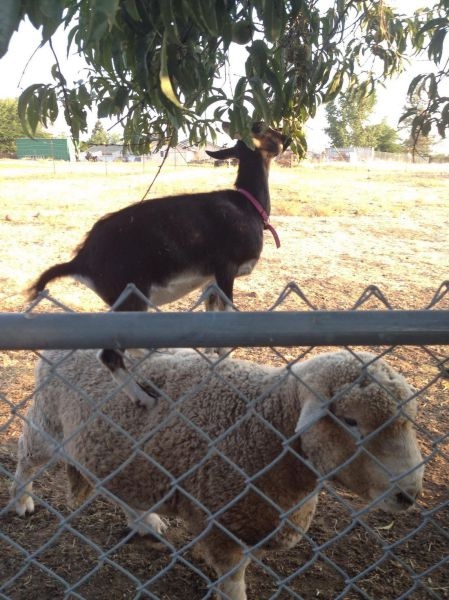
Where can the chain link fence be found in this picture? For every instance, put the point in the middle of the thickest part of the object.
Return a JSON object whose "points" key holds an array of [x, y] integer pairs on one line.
{"points": [[225, 459]]}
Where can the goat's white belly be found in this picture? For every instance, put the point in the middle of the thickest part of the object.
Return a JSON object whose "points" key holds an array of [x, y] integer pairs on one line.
{"points": [[247, 267], [177, 288]]}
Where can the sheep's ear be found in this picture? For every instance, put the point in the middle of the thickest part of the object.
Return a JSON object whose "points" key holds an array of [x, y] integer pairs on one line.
{"points": [[311, 412], [222, 154]]}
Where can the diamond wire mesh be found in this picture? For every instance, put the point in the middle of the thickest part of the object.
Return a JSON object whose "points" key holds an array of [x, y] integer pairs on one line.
{"points": [[349, 551]]}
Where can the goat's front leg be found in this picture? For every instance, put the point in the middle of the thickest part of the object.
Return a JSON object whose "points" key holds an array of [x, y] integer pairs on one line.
{"points": [[113, 360]]}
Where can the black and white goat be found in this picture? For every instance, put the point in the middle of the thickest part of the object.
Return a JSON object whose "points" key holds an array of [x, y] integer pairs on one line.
{"points": [[171, 246]]}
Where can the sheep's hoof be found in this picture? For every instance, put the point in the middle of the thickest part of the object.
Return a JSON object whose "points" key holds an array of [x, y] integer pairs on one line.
{"points": [[154, 521], [132, 536], [25, 506]]}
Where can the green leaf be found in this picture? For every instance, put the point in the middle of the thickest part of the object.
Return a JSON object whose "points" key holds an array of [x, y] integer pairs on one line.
{"points": [[258, 52], [27, 105], [52, 11], [240, 89], [9, 22], [334, 87], [131, 8], [414, 84], [105, 108], [101, 18], [52, 105], [259, 100], [436, 45], [274, 17], [434, 24], [408, 113]]}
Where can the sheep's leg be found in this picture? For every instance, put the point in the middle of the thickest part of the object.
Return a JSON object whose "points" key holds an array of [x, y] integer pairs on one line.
{"points": [[144, 523], [29, 459], [229, 562], [233, 586], [79, 487]]}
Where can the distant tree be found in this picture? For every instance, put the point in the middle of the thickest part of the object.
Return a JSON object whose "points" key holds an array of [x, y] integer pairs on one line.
{"points": [[384, 138], [11, 126], [101, 136], [347, 117]]}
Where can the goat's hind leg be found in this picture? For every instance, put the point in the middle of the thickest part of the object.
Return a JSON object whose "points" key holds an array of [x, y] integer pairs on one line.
{"points": [[214, 302], [113, 361]]}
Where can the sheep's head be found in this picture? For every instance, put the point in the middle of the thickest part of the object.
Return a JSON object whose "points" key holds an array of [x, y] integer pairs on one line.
{"points": [[357, 428]]}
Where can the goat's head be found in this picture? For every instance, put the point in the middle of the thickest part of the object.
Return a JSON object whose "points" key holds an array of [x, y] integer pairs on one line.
{"points": [[267, 141]]}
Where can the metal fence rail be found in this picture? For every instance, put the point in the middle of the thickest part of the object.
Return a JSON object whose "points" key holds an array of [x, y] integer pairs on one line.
{"points": [[177, 330], [351, 549]]}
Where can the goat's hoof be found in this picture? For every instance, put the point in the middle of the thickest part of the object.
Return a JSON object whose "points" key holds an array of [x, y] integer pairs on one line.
{"points": [[145, 398]]}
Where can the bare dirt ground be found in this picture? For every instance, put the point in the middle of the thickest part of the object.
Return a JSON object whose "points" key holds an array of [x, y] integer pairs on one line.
{"points": [[341, 229]]}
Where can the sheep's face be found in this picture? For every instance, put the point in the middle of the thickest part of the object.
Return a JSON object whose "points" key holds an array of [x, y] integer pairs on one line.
{"points": [[366, 439]]}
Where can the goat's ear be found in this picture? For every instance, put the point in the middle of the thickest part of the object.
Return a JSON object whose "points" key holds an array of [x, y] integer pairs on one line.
{"points": [[222, 154], [227, 129], [312, 411], [286, 141]]}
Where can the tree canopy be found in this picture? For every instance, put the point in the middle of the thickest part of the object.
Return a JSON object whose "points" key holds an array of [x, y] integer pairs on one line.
{"points": [[100, 136], [161, 67], [348, 119]]}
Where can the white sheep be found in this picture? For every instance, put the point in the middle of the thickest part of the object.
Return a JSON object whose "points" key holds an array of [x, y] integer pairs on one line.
{"points": [[239, 451]]}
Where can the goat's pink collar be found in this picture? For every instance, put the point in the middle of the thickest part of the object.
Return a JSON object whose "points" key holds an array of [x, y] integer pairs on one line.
{"points": [[263, 213]]}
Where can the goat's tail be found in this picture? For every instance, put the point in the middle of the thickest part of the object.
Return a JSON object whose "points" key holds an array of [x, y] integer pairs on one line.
{"points": [[59, 270]]}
